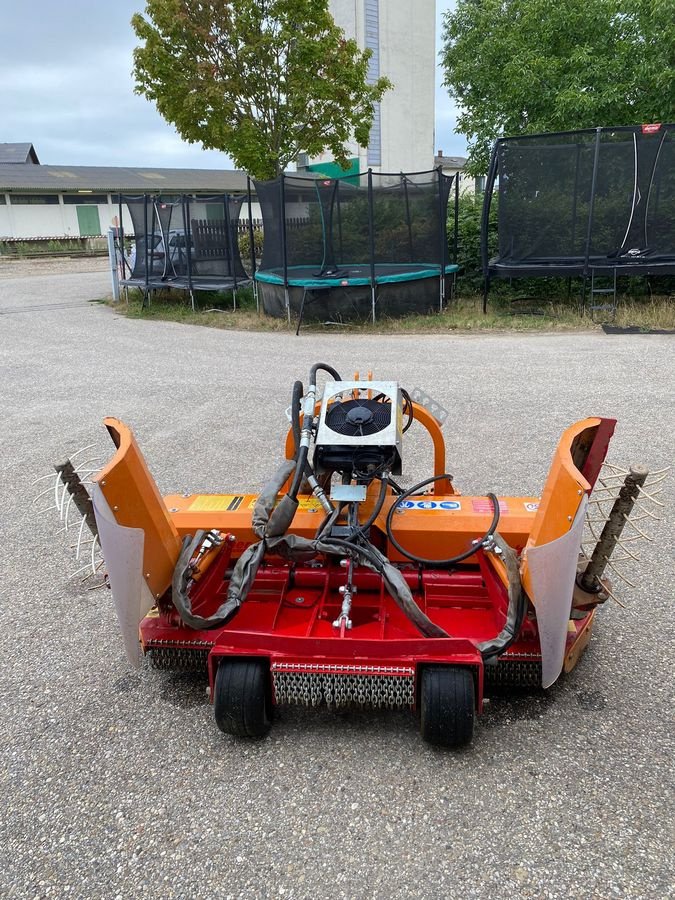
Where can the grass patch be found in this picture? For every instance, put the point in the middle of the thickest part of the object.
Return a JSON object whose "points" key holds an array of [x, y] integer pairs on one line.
{"points": [[464, 315]]}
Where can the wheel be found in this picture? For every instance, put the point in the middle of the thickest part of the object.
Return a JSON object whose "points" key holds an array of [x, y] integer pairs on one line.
{"points": [[242, 702], [447, 705]]}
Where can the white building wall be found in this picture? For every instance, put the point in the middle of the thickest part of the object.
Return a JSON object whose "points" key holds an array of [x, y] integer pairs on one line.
{"points": [[48, 220], [407, 56], [408, 59]]}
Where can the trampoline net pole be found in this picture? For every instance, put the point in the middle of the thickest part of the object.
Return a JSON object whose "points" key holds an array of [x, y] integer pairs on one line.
{"points": [[229, 244], [282, 193], [251, 237], [185, 207], [120, 239], [371, 237], [443, 236], [485, 223], [146, 242], [589, 230]]}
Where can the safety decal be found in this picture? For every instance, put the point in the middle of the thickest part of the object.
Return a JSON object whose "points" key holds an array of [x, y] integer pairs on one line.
{"points": [[531, 507], [215, 503], [484, 505], [438, 505], [308, 504]]}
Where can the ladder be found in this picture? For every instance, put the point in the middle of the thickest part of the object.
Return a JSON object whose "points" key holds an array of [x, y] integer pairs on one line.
{"points": [[597, 310]]}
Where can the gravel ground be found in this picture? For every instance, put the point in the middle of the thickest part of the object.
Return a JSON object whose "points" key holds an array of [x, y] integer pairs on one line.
{"points": [[118, 784]]}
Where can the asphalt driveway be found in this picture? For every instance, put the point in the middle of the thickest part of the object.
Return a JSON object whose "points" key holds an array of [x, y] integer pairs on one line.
{"points": [[117, 783]]}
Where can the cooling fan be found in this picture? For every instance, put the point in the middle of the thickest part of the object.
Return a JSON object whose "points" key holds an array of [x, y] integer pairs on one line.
{"points": [[359, 420]]}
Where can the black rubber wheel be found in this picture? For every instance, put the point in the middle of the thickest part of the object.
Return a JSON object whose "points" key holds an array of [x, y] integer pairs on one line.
{"points": [[242, 701], [447, 705]]}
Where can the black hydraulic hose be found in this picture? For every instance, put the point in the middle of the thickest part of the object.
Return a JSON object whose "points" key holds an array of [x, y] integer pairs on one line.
{"points": [[329, 520], [296, 399], [439, 563], [324, 367], [361, 530], [303, 452]]}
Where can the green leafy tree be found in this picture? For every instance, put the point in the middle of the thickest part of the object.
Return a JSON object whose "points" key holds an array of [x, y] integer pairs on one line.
{"points": [[525, 66], [261, 80]]}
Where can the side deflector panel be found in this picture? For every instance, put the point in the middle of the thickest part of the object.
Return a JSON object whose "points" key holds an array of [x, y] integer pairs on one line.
{"points": [[550, 558], [553, 568], [135, 502], [123, 551]]}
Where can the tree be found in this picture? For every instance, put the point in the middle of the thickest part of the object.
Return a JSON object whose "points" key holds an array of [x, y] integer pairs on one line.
{"points": [[527, 66], [261, 80]]}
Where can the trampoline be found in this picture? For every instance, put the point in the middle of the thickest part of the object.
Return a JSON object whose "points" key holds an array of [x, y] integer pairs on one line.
{"points": [[186, 243], [593, 202], [352, 246]]}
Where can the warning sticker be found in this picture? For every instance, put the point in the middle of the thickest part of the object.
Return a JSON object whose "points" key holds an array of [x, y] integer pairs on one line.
{"points": [[484, 505], [308, 504], [438, 505], [216, 503], [531, 507]]}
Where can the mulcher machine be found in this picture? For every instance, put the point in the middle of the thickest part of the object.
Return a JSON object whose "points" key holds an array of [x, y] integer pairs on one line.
{"points": [[336, 585]]}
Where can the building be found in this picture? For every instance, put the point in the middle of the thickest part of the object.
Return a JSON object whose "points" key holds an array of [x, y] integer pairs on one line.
{"points": [[454, 165], [39, 201], [402, 36]]}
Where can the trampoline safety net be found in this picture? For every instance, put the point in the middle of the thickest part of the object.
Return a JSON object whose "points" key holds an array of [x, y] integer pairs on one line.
{"points": [[361, 229], [591, 199], [186, 243]]}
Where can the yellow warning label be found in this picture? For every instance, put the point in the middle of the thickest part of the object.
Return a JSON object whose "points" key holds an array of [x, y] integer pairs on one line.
{"points": [[214, 503], [306, 503], [309, 503]]}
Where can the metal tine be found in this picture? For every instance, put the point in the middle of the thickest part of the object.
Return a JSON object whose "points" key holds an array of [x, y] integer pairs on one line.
{"points": [[84, 543], [663, 471], [648, 513], [64, 493], [79, 538], [65, 515], [41, 494], [651, 497], [77, 452], [631, 521], [91, 574], [87, 461], [77, 572], [46, 509], [610, 593], [97, 587], [93, 556], [630, 555], [651, 480], [608, 465], [619, 574], [42, 477], [56, 493]]}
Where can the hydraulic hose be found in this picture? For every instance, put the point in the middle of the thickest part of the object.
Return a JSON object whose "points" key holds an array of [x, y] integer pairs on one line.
{"points": [[306, 433], [452, 560], [361, 530]]}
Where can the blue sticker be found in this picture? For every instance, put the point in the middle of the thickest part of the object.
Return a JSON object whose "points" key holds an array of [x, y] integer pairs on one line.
{"points": [[431, 504]]}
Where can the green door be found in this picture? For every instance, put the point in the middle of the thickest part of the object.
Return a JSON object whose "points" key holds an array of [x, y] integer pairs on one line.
{"points": [[215, 212], [88, 220]]}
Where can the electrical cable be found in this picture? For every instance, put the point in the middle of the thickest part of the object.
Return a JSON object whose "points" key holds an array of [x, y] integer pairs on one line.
{"points": [[452, 560]]}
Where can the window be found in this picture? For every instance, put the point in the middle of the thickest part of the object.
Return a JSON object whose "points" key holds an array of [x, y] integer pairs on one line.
{"points": [[85, 198], [28, 199], [2, 200]]}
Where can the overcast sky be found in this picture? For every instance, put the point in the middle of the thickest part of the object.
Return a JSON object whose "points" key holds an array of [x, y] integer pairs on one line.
{"points": [[66, 86]]}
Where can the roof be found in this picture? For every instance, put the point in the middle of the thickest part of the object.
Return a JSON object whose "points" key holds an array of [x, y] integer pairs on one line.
{"points": [[25, 179], [18, 153], [450, 162]]}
